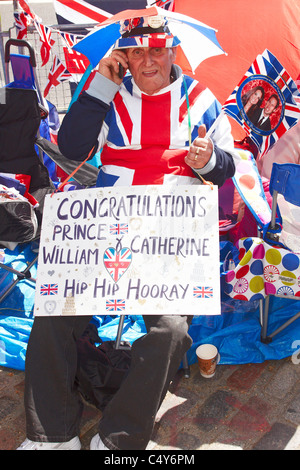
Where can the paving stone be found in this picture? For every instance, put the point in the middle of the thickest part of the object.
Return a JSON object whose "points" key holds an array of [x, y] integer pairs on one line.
{"points": [[214, 410], [8, 406], [277, 438], [251, 419], [293, 411], [8, 440], [283, 382], [243, 378]]}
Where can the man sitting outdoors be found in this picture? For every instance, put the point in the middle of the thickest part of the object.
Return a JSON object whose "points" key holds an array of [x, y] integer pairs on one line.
{"points": [[141, 123]]}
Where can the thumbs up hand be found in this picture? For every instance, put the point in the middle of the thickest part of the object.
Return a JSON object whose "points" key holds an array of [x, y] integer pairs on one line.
{"points": [[200, 150]]}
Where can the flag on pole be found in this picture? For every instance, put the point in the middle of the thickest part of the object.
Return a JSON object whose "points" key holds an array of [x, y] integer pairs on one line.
{"points": [[263, 102], [58, 73]]}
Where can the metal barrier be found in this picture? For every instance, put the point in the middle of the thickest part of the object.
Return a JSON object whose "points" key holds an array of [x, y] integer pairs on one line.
{"points": [[4, 36], [61, 95]]}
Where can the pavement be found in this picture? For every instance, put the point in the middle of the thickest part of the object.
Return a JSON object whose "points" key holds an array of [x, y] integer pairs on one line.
{"points": [[243, 407]]}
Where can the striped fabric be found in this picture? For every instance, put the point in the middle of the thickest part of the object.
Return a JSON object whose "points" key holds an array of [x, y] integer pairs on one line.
{"points": [[145, 140]]}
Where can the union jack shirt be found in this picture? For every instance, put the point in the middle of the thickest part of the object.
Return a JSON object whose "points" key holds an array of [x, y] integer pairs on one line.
{"points": [[144, 139]]}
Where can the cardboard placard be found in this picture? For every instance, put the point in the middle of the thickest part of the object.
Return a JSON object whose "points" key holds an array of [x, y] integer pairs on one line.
{"points": [[130, 250]]}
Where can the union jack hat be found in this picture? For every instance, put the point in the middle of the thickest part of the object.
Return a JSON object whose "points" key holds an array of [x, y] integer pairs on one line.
{"points": [[149, 31]]}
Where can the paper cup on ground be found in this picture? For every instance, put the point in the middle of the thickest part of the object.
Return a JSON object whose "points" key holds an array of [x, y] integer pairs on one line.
{"points": [[208, 358]]}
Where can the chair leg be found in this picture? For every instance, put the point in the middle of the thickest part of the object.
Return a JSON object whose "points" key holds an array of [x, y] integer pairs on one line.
{"points": [[266, 339], [186, 367], [21, 275], [282, 327], [118, 343], [265, 319]]}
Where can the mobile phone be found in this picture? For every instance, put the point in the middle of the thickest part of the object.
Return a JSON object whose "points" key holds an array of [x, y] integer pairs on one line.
{"points": [[121, 71]]}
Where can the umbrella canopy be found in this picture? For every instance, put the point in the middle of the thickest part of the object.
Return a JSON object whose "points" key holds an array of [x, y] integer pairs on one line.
{"points": [[197, 40]]}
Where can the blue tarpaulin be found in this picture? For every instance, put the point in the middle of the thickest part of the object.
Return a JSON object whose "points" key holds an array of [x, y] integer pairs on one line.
{"points": [[236, 332]]}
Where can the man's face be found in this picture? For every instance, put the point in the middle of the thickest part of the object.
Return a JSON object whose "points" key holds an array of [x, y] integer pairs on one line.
{"points": [[151, 67], [270, 106]]}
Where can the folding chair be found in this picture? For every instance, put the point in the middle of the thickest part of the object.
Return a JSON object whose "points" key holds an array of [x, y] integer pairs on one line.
{"points": [[284, 232], [19, 122], [23, 67], [20, 119], [269, 265]]}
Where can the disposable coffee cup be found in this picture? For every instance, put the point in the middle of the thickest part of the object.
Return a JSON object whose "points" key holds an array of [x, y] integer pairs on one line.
{"points": [[208, 358]]}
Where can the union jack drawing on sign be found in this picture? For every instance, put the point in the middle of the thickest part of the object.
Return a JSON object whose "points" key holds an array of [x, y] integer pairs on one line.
{"points": [[117, 262], [49, 289], [203, 292], [270, 80], [118, 229], [115, 305]]}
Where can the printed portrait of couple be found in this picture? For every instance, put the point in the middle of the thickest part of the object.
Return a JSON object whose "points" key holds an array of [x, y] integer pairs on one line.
{"points": [[262, 105]]}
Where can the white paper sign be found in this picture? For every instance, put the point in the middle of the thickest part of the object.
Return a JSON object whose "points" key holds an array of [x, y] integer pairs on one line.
{"points": [[130, 250]]}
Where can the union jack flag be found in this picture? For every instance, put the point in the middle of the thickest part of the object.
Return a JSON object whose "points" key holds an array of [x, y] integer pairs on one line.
{"points": [[282, 73], [49, 289], [47, 42], [58, 73], [70, 39], [79, 12], [166, 4], [25, 7], [203, 292], [84, 12], [266, 71], [163, 131], [118, 229], [22, 21], [117, 262], [115, 305], [75, 61]]}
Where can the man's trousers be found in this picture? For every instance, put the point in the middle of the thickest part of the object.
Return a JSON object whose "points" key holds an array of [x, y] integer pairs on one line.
{"points": [[52, 404]]}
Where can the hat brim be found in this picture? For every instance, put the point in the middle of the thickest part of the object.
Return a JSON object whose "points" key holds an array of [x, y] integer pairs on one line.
{"points": [[148, 40]]}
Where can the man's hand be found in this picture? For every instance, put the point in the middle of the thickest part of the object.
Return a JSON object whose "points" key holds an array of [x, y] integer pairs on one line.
{"points": [[200, 150], [109, 66]]}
